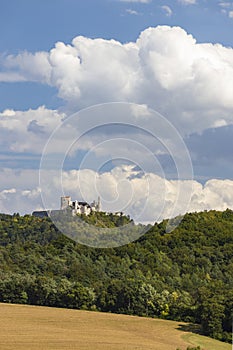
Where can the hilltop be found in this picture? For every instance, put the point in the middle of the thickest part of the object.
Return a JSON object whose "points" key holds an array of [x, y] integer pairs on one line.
{"points": [[185, 275]]}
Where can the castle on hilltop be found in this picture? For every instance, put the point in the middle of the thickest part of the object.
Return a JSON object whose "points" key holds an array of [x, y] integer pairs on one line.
{"points": [[76, 207], [79, 207]]}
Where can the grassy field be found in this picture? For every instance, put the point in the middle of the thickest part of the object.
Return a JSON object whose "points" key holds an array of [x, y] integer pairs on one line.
{"points": [[40, 328]]}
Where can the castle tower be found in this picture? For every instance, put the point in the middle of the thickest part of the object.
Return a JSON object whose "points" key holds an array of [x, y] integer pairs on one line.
{"points": [[65, 202]]}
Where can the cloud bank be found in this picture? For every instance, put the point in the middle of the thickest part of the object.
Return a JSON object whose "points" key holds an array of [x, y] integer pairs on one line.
{"points": [[188, 82], [27, 131], [165, 69], [146, 197]]}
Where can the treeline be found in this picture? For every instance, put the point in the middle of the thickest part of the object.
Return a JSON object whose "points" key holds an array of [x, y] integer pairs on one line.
{"points": [[186, 275]]}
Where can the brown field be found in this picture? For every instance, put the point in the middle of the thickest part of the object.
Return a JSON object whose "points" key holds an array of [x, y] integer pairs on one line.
{"points": [[40, 328]]}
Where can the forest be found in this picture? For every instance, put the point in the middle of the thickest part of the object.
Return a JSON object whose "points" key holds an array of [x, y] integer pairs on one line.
{"points": [[185, 275]]}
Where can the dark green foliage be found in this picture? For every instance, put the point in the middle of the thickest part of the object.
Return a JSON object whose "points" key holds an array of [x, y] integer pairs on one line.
{"points": [[185, 275], [102, 220]]}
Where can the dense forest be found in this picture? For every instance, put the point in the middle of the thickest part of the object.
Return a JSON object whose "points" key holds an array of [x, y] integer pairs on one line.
{"points": [[185, 275]]}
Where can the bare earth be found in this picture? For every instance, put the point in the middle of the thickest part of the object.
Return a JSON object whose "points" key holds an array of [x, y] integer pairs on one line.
{"points": [[40, 328]]}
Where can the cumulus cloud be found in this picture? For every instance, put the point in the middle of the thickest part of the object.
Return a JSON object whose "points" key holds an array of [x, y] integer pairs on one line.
{"points": [[188, 82], [26, 66], [230, 14], [167, 10], [166, 69], [146, 197], [11, 77], [19, 191], [90, 140], [27, 131], [20, 201]]}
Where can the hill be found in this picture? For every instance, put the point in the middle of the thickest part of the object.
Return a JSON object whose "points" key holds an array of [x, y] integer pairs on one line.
{"points": [[185, 275], [40, 328]]}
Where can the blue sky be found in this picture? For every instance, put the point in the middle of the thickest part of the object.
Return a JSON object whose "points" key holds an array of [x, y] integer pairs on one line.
{"points": [[38, 25], [182, 68]]}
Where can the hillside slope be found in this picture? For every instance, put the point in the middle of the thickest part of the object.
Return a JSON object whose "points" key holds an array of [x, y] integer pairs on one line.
{"points": [[41, 328], [186, 275]]}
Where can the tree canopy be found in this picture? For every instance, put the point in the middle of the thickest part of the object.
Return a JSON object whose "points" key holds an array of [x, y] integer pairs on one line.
{"points": [[185, 275]]}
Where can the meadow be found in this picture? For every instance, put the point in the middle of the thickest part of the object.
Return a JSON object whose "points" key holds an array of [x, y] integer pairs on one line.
{"points": [[44, 328]]}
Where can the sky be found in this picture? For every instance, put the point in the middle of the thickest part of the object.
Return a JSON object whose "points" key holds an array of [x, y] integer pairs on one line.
{"points": [[131, 100]]}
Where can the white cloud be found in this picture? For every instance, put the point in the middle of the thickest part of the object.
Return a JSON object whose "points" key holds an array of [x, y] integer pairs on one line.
{"points": [[27, 131], [187, 2], [225, 4], [167, 10], [33, 67], [166, 69], [9, 113], [11, 77], [132, 12], [146, 197], [19, 190], [20, 201], [188, 82], [225, 8], [5, 192]]}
